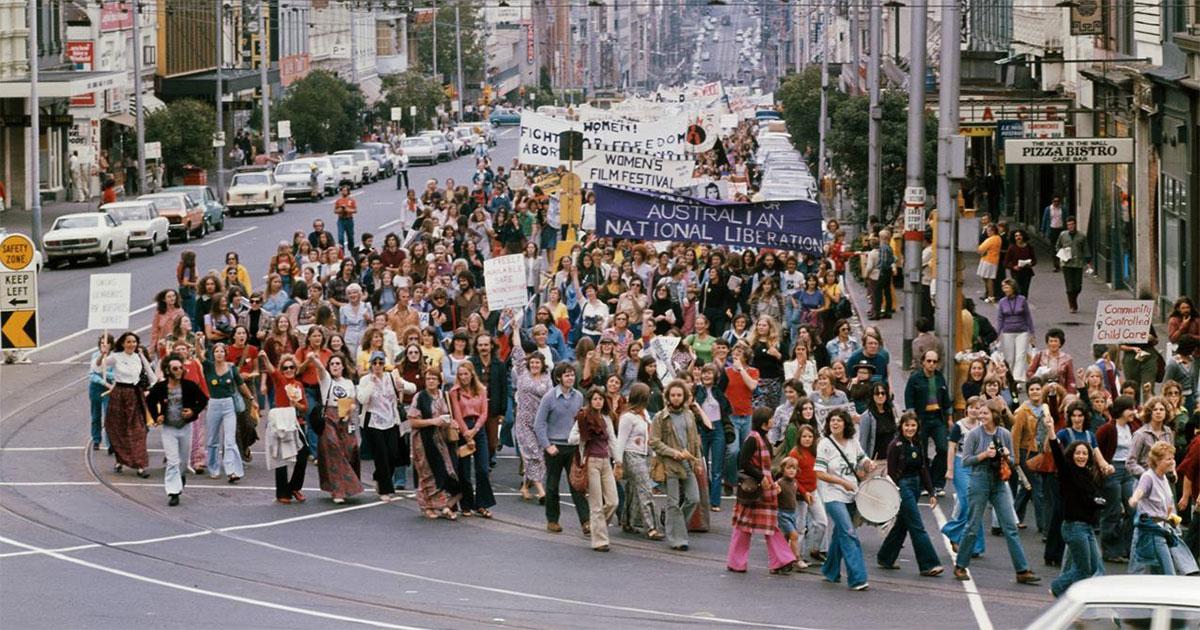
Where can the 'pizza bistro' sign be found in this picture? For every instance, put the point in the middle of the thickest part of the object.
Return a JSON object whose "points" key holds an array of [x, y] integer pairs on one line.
{"points": [[1069, 151]]}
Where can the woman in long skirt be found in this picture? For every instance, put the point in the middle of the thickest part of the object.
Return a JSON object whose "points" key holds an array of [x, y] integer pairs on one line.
{"points": [[532, 382], [337, 448], [436, 480], [126, 419]]}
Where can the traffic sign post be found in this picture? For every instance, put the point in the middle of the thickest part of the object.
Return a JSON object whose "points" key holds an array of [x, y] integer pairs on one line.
{"points": [[16, 252]]}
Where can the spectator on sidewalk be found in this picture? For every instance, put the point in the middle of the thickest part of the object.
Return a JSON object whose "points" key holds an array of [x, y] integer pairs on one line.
{"points": [[1054, 219], [1074, 242], [1020, 260]]}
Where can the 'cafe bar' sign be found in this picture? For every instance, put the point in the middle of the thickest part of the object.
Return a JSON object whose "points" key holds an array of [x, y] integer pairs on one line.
{"points": [[1069, 151]]}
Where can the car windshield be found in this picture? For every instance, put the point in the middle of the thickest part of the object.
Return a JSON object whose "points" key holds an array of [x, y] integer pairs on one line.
{"points": [[256, 179], [67, 223], [416, 142], [168, 203], [132, 213], [292, 168], [341, 160]]}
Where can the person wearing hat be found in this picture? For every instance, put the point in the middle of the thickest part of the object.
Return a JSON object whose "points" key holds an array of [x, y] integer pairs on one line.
{"points": [[861, 384], [379, 391]]}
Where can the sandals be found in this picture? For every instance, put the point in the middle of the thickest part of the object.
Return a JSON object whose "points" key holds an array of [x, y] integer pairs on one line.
{"points": [[484, 512], [654, 534], [431, 515], [449, 514]]}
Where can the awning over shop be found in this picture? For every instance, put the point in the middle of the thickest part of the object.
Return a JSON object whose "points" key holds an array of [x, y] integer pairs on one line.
{"points": [[204, 84], [62, 84], [123, 119], [152, 103]]}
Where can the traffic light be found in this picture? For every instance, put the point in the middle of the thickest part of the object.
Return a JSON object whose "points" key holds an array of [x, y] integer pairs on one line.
{"points": [[487, 94], [451, 93]]}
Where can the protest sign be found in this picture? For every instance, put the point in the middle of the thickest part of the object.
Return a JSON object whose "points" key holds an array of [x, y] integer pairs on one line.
{"points": [[1122, 322], [790, 225], [108, 301], [662, 349], [504, 279], [635, 171], [538, 144]]}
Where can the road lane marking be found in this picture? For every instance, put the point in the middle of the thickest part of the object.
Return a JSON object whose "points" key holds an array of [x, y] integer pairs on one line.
{"points": [[388, 224], [973, 597], [87, 353], [24, 449], [208, 593], [230, 235]]}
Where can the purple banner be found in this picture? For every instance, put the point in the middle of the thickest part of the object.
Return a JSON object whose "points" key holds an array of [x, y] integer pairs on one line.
{"points": [[790, 225]]}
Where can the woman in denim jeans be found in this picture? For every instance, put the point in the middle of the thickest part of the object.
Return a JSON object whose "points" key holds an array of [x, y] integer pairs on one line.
{"points": [[1158, 549], [841, 462], [712, 400], [908, 466], [98, 379], [1115, 439], [1079, 485]]}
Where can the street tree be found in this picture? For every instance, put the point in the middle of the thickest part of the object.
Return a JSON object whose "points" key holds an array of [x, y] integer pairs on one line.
{"points": [[185, 129], [472, 30], [326, 112], [406, 90]]}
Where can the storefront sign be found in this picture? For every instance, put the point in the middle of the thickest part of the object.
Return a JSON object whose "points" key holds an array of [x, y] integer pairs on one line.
{"points": [[789, 225], [1045, 129], [83, 55], [115, 16], [1008, 130], [1122, 322], [1070, 151], [528, 40], [976, 131], [635, 171]]}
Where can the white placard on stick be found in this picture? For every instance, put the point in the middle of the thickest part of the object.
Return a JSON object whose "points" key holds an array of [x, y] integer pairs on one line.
{"points": [[504, 280], [662, 349], [108, 302], [1122, 322]]}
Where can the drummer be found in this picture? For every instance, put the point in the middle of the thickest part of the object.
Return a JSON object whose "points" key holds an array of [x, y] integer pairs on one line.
{"points": [[908, 467], [841, 463]]}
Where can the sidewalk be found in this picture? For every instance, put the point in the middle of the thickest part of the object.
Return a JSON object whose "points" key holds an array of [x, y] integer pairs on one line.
{"points": [[1047, 299]]}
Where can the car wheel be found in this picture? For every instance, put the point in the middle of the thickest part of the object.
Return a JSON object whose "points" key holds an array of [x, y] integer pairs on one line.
{"points": [[203, 229], [166, 243], [221, 223], [187, 234], [282, 205], [128, 251], [107, 258]]}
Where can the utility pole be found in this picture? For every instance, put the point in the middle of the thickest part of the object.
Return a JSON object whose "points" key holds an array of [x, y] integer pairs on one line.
{"points": [[874, 146], [855, 47], [797, 38], [35, 131], [435, 22], [950, 166], [220, 99], [914, 231], [824, 94], [139, 115], [458, 58], [354, 45], [264, 65]]}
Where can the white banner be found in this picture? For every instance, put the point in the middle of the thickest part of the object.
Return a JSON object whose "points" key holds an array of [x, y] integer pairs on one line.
{"points": [[1069, 151], [504, 281], [663, 138], [662, 349], [108, 302], [635, 171]]}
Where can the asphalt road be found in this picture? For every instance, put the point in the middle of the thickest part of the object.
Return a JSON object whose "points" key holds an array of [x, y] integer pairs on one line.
{"points": [[82, 546]]}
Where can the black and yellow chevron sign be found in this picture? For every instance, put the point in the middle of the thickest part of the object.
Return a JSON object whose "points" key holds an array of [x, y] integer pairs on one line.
{"points": [[18, 330]]}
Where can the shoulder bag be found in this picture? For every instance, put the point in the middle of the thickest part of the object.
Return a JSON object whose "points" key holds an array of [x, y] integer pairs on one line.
{"points": [[748, 490], [578, 476]]}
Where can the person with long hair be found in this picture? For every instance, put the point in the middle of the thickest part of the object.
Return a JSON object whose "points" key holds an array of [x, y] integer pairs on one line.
{"points": [[760, 515], [224, 382], [380, 393], [1155, 504], [531, 382], [908, 467], [710, 396], [767, 357], [167, 309], [594, 423], [125, 420], [633, 452], [648, 373], [187, 279], [288, 391], [437, 485], [1079, 486], [958, 476], [337, 447], [469, 408], [1183, 321], [877, 424], [98, 378], [676, 442]]}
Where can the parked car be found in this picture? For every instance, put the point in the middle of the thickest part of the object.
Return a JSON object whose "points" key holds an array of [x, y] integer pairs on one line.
{"points": [[141, 220], [419, 149], [370, 167], [463, 138], [504, 116], [1154, 602], [381, 152], [445, 151], [214, 210], [74, 237], [329, 172], [186, 216], [254, 190], [296, 178], [348, 173]]}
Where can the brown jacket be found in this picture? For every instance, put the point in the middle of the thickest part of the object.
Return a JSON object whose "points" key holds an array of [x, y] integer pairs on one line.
{"points": [[667, 446]]}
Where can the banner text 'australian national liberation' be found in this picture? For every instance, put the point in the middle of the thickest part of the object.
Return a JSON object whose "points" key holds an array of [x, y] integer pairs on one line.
{"points": [[791, 225]]}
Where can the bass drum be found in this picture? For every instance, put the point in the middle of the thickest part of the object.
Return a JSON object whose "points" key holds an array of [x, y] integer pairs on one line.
{"points": [[877, 500]]}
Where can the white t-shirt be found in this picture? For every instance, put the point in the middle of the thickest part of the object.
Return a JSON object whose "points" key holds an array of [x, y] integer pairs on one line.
{"points": [[832, 462]]}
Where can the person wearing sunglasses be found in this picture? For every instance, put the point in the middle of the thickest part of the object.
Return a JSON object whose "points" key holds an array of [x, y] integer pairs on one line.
{"points": [[288, 391], [927, 393], [174, 402]]}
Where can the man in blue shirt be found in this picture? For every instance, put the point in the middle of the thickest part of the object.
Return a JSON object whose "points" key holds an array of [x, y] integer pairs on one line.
{"points": [[552, 426]]}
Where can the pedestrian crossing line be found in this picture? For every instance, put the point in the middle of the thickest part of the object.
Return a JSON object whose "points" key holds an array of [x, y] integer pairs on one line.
{"points": [[201, 591], [973, 597], [206, 243]]}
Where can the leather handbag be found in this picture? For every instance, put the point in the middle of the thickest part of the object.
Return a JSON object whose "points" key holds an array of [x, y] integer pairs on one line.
{"points": [[748, 489], [1041, 463], [578, 476]]}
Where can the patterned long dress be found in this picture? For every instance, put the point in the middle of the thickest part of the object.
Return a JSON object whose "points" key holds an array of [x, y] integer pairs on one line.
{"points": [[337, 447], [530, 390], [761, 515], [429, 495]]}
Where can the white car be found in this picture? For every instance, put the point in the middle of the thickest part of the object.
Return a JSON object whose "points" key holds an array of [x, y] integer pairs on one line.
{"points": [[296, 178], [141, 220], [1154, 602], [445, 151], [348, 172], [419, 149], [328, 170], [369, 166], [85, 235], [254, 190]]}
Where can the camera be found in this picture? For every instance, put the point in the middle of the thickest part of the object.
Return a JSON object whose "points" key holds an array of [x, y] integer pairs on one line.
{"points": [[1100, 501]]}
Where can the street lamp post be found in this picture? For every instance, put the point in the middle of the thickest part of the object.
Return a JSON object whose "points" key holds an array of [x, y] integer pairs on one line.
{"points": [[914, 239], [221, 6], [35, 130], [139, 115], [264, 64]]}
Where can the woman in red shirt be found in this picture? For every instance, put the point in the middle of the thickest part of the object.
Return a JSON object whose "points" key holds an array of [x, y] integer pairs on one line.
{"points": [[288, 391], [468, 407]]}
